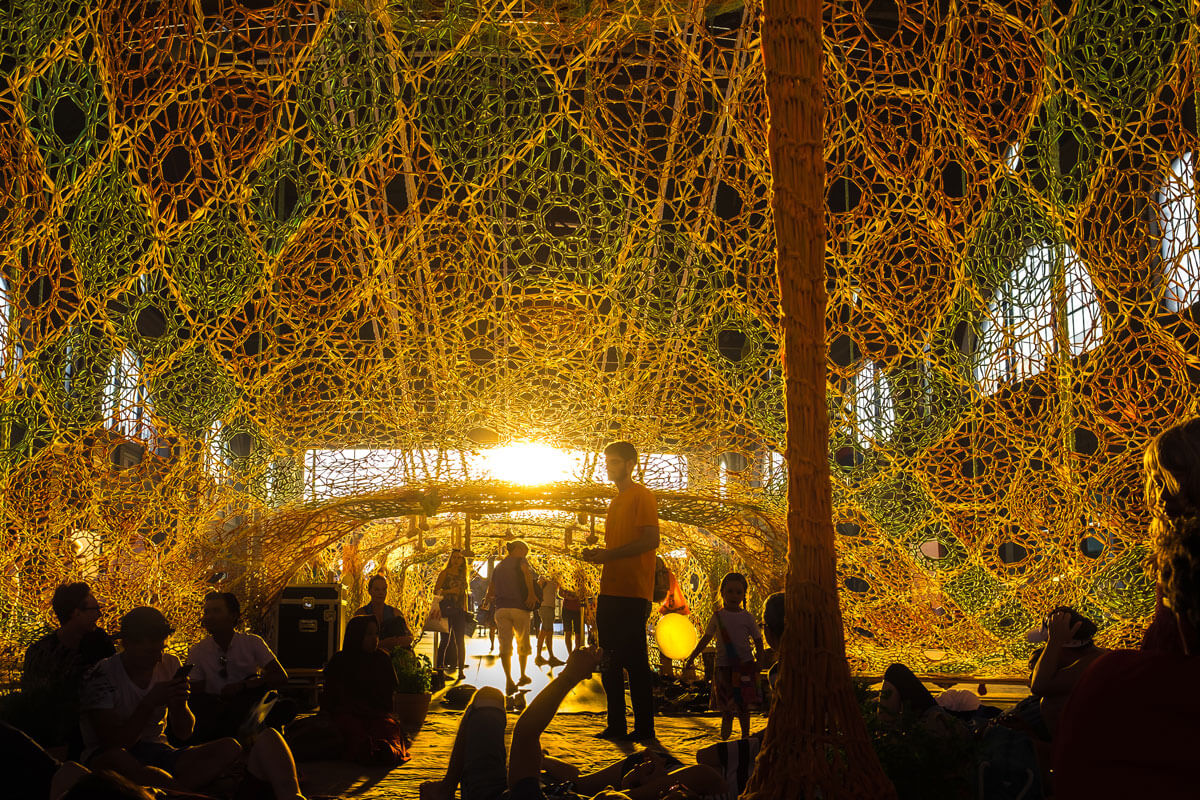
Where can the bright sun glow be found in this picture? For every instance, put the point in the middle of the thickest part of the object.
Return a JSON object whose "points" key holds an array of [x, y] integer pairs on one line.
{"points": [[531, 464]]}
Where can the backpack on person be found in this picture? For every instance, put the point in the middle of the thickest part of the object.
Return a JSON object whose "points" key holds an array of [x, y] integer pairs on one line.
{"points": [[531, 599], [662, 579]]}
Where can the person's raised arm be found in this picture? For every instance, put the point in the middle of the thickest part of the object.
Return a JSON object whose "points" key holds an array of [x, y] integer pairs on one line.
{"points": [[525, 754], [1048, 678], [179, 715], [115, 731]]}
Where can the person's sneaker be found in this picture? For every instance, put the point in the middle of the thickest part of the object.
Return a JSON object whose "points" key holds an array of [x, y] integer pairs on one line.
{"points": [[554, 662], [524, 680], [612, 734], [539, 660], [510, 687], [641, 737]]}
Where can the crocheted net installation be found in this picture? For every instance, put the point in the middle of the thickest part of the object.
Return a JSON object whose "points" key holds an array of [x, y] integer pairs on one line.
{"points": [[278, 278]]}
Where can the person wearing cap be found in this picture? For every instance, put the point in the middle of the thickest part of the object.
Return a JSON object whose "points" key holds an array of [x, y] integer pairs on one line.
{"points": [[127, 702]]}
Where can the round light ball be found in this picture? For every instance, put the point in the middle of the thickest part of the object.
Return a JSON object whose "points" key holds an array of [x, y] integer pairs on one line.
{"points": [[676, 635]]}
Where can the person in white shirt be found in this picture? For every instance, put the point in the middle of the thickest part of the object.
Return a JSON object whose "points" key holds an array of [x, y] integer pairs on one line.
{"points": [[232, 671], [127, 701]]}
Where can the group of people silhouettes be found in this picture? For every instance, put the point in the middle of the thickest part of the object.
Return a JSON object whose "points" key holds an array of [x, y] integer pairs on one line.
{"points": [[1099, 723]]}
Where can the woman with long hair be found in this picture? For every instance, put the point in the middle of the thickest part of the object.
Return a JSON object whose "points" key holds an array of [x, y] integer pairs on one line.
{"points": [[357, 695], [1129, 727], [452, 586]]}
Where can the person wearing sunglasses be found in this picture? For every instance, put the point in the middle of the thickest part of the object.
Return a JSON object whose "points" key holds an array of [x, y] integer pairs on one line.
{"points": [[233, 671], [54, 666]]}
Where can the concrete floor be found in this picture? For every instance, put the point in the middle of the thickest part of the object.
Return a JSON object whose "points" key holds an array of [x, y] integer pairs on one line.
{"points": [[569, 737]]}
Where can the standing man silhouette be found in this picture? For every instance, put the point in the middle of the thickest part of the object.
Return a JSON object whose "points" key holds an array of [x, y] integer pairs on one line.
{"points": [[626, 591], [513, 598]]}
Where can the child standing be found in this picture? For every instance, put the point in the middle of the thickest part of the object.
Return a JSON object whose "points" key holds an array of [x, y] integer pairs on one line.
{"points": [[735, 685]]}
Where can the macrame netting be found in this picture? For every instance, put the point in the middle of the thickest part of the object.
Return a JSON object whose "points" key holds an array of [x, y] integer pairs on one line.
{"points": [[237, 238]]}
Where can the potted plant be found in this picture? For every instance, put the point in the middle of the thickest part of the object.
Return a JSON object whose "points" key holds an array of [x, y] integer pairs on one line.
{"points": [[414, 679]]}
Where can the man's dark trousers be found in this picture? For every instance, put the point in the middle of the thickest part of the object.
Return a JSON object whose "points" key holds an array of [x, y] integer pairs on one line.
{"points": [[621, 630]]}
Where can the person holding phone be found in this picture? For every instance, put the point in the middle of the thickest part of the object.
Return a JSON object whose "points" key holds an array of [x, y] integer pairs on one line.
{"points": [[128, 700]]}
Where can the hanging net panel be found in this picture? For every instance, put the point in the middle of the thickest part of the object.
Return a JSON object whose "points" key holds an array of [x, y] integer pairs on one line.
{"points": [[283, 279]]}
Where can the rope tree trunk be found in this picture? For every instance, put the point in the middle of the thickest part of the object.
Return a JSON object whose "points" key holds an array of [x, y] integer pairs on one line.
{"points": [[816, 743]]}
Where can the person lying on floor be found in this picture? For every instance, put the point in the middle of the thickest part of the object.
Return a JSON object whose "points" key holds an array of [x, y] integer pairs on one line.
{"points": [[647, 774], [31, 772], [477, 758], [270, 773]]}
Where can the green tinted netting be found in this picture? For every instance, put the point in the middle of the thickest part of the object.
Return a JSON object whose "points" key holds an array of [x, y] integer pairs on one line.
{"points": [[280, 279]]}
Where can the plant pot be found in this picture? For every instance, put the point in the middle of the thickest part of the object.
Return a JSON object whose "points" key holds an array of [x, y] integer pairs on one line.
{"points": [[410, 710]]}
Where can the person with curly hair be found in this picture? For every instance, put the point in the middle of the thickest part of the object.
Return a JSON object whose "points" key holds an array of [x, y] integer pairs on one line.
{"points": [[1129, 727]]}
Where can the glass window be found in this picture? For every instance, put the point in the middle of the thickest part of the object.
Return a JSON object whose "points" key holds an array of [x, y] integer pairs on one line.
{"points": [[218, 460], [874, 415], [10, 344], [1017, 335], [127, 404], [1180, 235]]}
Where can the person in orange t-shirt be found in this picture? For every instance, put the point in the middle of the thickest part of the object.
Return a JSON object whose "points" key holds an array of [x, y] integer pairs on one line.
{"points": [[626, 591]]}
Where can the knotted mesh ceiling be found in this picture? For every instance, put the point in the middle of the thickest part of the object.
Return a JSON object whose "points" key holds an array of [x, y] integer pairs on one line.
{"points": [[240, 240]]}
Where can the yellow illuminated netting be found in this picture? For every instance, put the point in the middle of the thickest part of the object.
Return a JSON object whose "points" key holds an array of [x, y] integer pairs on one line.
{"points": [[276, 280]]}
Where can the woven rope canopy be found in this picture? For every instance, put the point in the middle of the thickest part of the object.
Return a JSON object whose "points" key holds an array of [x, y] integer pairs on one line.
{"points": [[276, 278]]}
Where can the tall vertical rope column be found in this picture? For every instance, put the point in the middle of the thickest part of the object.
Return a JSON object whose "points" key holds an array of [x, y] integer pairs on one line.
{"points": [[816, 743]]}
